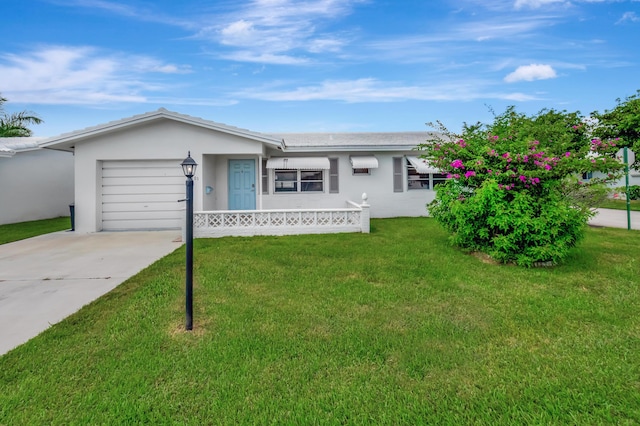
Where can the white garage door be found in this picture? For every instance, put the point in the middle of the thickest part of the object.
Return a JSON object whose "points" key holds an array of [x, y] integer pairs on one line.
{"points": [[142, 194]]}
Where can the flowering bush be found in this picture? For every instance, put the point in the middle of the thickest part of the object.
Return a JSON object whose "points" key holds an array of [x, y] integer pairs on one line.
{"points": [[514, 190]]}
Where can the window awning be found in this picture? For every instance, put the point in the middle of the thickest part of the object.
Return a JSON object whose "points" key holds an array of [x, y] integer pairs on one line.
{"points": [[364, 162], [298, 163], [421, 165]]}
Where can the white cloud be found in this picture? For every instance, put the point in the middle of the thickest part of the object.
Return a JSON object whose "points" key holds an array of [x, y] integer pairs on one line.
{"points": [[629, 17], [530, 73], [535, 4], [80, 75], [374, 90], [264, 58], [126, 10], [266, 29], [238, 33], [462, 41]]}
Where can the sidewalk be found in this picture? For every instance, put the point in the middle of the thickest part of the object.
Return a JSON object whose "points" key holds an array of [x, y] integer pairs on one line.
{"points": [[615, 219]]}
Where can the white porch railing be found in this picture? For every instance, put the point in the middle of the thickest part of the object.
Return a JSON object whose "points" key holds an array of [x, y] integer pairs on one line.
{"points": [[211, 224]]}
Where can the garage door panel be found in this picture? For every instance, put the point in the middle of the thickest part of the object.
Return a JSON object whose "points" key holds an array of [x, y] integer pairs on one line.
{"points": [[140, 207], [131, 224], [141, 216], [144, 191], [138, 164], [144, 180], [135, 198], [142, 172], [142, 194]]}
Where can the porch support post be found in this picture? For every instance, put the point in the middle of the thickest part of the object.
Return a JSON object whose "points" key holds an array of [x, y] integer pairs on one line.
{"points": [[365, 218]]}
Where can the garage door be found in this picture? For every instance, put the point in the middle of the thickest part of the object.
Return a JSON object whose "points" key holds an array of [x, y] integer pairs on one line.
{"points": [[142, 194]]}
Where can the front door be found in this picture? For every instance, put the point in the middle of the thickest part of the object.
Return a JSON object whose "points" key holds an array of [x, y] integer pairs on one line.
{"points": [[242, 184]]}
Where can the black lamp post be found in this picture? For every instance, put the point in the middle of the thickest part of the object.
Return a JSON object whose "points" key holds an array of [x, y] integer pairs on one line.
{"points": [[189, 168]]}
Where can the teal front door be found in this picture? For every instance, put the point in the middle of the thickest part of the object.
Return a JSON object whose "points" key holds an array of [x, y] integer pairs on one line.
{"points": [[242, 184]]}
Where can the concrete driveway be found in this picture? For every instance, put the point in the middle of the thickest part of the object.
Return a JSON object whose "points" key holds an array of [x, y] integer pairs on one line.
{"points": [[47, 278]]}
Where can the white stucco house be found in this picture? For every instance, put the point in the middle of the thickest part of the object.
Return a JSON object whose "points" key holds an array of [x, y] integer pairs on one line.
{"points": [[35, 183], [128, 175]]}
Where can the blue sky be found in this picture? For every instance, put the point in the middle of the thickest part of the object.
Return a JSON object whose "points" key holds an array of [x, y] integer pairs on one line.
{"points": [[315, 65]]}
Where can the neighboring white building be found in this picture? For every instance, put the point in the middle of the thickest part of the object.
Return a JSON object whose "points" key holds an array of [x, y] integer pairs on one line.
{"points": [[128, 174], [35, 183]]}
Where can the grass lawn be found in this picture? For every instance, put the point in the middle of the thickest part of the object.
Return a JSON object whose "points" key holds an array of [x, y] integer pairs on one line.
{"points": [[20, 231], [394, 327], [620, 204]]}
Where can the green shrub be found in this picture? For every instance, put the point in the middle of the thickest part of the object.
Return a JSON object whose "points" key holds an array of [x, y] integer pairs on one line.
{"points": [[512, 190], [634, 192]]}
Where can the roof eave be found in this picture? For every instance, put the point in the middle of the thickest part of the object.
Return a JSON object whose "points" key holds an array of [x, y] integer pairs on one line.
{"points": [[66, 142], [350, 148]]}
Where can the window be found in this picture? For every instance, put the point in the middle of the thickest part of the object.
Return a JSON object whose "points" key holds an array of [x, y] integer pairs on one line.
{"points": [[362, 164], [417, 180], [438, 178], [421, 176], [587, 175], [311, 180], [298, 181]]}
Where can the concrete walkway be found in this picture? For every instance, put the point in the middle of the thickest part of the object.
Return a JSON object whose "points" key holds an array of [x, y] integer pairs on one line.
{"points": [[615, 219], [47, 278]]}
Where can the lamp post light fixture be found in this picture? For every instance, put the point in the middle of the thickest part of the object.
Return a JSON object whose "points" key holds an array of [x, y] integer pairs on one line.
{"points": [[189, 168]]}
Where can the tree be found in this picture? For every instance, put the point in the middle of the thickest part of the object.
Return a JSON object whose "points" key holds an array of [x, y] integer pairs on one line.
{"points": [[15, 124], [622, 122], [514, 190]]}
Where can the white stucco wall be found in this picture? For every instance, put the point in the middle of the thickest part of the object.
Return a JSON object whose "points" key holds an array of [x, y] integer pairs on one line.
{"points": [[378, 186], [157, 140], [634, 179], [35, 184], [166, 139]]}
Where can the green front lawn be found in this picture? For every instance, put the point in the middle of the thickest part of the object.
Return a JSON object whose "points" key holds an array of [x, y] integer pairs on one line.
{"points": [[20, 231], [395, 327], [620, 204]]}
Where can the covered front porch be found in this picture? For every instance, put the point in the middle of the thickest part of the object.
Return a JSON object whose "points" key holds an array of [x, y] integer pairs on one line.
{"points": [[354, 217]]}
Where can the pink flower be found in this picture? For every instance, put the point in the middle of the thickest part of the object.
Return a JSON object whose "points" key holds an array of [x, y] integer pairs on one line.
{"points": [[522, 178], [567, 154], [469, 173], [457, 164], [456, 176], [547, 166]]}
